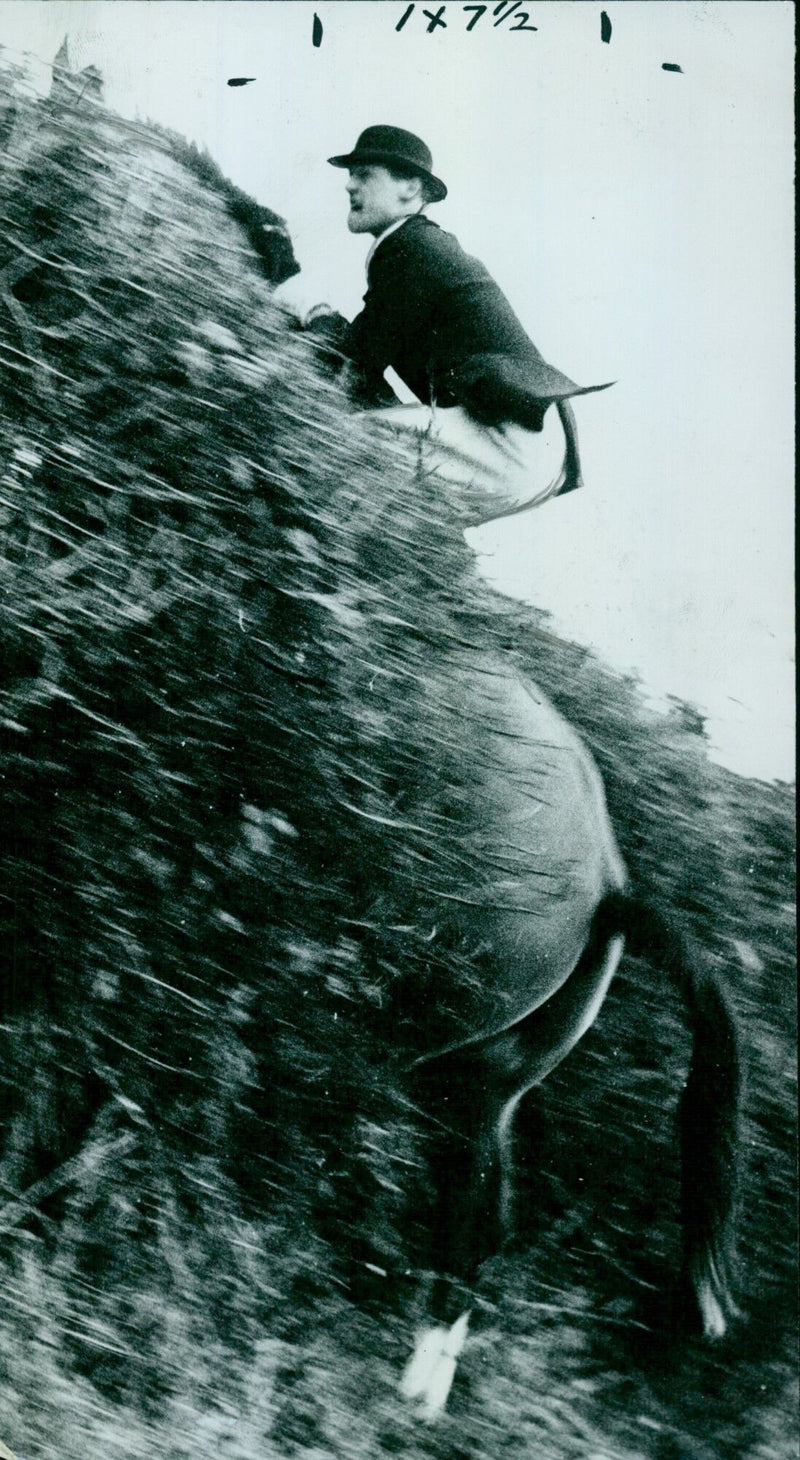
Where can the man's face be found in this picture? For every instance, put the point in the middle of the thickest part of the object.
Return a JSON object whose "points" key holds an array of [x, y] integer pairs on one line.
{"points": [[378, 199]]}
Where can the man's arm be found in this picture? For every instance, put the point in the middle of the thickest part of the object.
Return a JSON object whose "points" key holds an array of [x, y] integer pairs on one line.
{"points": [[333, 339], [396, 327]]}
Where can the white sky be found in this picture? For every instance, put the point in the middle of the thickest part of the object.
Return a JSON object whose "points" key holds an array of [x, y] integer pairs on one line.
{"points": [[641, 222]]}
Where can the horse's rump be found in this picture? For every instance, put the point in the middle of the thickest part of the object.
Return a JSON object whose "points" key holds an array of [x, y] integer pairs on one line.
{"points": [[541, 851]]}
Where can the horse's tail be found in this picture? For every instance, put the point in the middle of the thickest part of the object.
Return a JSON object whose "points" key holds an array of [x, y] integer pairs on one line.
{"points": [[709, 1108]]}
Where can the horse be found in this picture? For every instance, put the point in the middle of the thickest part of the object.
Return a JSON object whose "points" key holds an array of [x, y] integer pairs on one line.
{"points": [[554, 927], [548, 908], [554, 912]]}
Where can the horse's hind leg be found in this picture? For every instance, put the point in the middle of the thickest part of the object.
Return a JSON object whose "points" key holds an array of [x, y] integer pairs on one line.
{"points": [[474, 1093], [491, 1078], [547, 1036], [465, 1093]]}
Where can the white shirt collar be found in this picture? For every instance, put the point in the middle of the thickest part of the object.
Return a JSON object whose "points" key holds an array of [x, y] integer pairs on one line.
{"points": [[398, 223]]}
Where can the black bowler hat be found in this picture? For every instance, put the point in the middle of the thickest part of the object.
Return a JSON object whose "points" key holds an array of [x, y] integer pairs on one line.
{"points": [[392, 147]]}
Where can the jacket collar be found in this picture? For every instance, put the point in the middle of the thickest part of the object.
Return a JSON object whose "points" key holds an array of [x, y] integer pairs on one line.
{"points": [[393, 227]]}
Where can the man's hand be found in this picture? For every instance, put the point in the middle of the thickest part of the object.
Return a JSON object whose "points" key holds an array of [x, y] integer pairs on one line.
{"points": [[329, 333], [325, 322]]}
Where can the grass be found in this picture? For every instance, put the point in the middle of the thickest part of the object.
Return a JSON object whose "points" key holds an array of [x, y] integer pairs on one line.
{"points": [[232, 783]]}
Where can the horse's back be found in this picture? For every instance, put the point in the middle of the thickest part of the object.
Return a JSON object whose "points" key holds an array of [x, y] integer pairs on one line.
{"points": [[542, 843]]}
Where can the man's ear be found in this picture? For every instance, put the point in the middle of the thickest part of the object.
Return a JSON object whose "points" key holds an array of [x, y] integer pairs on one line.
{"points": [[413, 190]]}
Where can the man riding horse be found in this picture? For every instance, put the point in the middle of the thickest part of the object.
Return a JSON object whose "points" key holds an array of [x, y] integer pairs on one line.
{"points": [[436, 317], [550, 899]]}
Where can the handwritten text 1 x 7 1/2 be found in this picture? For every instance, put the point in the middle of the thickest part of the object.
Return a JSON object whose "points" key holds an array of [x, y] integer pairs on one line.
{"points": [[437, 19]]}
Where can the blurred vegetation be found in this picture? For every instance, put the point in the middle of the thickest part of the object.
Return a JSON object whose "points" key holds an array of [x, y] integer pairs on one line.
{"points": [[233, 790]]}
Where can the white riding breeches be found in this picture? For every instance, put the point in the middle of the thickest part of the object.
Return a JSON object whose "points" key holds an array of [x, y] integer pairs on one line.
{"points": [[501, 470]]}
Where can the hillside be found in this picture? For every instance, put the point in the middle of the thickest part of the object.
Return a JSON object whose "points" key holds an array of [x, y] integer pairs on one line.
{"points": [[230, 787]]}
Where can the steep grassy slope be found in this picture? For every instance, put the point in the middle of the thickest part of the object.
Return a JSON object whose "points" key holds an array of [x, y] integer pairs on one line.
{"points": [[231, 791]]}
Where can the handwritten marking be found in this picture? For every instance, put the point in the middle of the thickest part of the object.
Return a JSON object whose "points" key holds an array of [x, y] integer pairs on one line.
{"points": [[504, 11], [316, 31], [240, 80], [502, 6], [481, 9], [436, 19], [605, 27], [671, 66], [521, 20]]}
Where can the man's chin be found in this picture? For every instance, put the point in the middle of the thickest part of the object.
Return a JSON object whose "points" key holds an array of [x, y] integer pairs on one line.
{"points": [[357, 223]]}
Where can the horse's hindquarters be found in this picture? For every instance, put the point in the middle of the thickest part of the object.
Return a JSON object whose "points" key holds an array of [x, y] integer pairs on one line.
{"points": [[540, 842]]}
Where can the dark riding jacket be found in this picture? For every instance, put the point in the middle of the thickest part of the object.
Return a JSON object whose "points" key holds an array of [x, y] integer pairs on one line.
{"points": [[437, 317]]}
